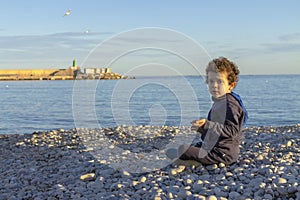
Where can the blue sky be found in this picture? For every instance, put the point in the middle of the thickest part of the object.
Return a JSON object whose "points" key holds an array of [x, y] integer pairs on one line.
{"points": [[261, 37]]}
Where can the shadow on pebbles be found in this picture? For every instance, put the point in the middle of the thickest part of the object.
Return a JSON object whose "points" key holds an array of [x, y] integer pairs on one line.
{"points": [[128, 162]]}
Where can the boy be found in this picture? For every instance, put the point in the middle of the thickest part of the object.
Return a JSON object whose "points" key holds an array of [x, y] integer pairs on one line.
{"points": [[221, 132]]}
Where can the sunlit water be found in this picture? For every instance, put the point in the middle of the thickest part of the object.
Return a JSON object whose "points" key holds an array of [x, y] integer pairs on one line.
{"points": [[28, 106]]}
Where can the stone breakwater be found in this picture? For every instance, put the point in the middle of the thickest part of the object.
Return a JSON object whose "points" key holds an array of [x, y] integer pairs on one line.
{"points": [[57, 164]]}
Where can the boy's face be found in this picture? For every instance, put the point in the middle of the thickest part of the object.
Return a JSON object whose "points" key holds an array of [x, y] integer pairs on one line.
{"points": [[218, 84]]}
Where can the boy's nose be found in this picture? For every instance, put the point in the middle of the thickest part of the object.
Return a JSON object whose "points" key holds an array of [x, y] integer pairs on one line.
{"points": [[215, 85]]}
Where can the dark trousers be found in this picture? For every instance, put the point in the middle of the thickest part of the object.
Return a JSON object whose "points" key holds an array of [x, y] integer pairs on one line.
{"points": [[188, 152]]}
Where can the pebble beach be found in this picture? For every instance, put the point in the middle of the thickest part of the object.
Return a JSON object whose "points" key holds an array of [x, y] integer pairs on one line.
{"points": [[99, 164]]}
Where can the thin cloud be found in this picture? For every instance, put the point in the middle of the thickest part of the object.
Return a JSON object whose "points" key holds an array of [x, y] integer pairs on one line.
{"points": [[217, 45], [231, 51], [281, 47], [267, 48], [276, 47], [286, 43], [51, 41], [290, 37], [144, 40], [55, 46], [79, 34]]}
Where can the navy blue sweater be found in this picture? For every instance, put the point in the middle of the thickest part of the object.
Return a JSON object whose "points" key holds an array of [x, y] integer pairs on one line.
{"points": [[222, 132]]}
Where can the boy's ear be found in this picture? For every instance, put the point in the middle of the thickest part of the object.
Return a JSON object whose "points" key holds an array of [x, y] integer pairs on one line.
{"points": [[232, 85]]}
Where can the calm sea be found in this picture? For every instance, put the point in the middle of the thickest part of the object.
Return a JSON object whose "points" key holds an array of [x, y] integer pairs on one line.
{"points": [[28, 106]]}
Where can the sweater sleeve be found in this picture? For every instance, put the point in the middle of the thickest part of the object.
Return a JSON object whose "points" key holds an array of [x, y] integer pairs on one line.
{"points": [[231, 126]]}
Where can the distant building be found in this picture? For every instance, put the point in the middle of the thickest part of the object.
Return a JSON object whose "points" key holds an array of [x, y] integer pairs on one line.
{"points": [[96, 70], [99, 73]]}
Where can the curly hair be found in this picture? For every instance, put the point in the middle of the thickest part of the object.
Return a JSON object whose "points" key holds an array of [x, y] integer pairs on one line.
{"points": [[222, 64]]}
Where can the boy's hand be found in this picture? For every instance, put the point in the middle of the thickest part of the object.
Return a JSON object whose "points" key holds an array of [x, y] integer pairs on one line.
{"points": [[196, 124]]}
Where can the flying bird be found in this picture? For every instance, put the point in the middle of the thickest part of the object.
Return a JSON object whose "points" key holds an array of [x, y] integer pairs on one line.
{"points": [[67, 13]]}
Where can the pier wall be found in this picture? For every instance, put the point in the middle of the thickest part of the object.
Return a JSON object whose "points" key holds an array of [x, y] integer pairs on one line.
{"points": [[39, 74]]}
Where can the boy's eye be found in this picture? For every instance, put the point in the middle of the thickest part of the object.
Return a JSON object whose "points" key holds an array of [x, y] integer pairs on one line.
{"points": [[218, 81]]}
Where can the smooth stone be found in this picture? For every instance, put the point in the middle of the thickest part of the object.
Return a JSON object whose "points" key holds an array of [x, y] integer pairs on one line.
{"points": [[212, 197], [212, 167], [234, 195], [282, 190], [281, 181], [143, 179], [126, 173], [88, 177], [268, 197]]}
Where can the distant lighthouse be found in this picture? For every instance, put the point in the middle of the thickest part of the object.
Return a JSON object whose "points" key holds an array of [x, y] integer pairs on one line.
{"points": [[74, 63]]}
